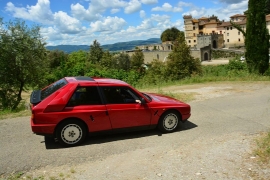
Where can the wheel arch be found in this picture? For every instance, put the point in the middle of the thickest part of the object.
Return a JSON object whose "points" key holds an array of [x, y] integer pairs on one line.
{"points": [[70, 118], [173, 110]]}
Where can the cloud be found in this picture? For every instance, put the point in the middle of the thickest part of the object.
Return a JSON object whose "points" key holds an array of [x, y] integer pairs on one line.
{"points": [[133, 6], [66, 24], [231, 1], [167, 8], [149, 1], [40, 12], [109, 24], [96, 8], [113, 11], [142, 14]]}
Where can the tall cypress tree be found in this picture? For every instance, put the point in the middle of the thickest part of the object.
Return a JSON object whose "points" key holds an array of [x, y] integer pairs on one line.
{"points": [[267, 7], [257, 38]]}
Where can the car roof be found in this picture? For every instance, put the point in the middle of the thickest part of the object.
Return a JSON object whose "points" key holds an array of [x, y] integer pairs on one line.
{"points": [[94, 80]]}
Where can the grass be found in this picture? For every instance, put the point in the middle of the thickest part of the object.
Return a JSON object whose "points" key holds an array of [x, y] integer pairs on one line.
{"points": [[263, 148], [23, 176]]}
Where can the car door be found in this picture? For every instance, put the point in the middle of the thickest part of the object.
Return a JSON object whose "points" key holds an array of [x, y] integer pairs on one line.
{"points": [[86, 104], [123, 109]]}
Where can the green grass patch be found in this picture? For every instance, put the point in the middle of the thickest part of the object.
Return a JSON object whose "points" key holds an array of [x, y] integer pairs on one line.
{"points": [[263, 148]]}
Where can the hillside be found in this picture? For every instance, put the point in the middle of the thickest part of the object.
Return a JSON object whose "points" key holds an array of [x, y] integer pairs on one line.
{"points": [[120, 46]]}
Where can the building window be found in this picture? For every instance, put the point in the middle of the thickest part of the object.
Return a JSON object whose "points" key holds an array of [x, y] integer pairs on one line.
{"points": [[239, 40], [227, 28], [231, 28], [194, 40], [157, 56], [220, 32], [228, 40], [227, 34], [238, 32], [194, 28], [189, 41], [194, 34]]}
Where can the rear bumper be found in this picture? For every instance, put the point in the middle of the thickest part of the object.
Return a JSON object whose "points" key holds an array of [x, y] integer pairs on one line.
{"points": [[43, 129]]}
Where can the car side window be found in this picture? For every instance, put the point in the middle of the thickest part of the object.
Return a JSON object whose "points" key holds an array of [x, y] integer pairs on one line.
{"points": [[119, 95], [85, 96]]}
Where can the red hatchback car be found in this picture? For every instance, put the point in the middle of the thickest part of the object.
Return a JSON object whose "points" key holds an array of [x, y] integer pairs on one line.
{"points": [[72, 107]]}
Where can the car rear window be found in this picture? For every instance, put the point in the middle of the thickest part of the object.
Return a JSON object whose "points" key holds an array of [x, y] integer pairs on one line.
{"points": [[52, 88]]}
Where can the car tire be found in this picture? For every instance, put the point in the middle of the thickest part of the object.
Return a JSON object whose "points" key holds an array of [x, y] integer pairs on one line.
{"points": [[71, 133], [169, 121]]}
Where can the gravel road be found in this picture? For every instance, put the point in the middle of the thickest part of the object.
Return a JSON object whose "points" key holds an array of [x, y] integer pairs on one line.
{"points": [[216, 143]]}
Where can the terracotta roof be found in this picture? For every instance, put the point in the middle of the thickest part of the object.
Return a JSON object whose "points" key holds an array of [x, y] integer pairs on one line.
{"points": [[238, 15], [203, 18], [195, 20], [224, 24]]}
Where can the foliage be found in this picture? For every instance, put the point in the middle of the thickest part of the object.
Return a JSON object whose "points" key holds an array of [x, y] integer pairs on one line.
{"points": [[121, 61], [95, 53], [56, 60], [155, 74], [267, 7], [171, 34], [76, 64], [22, 61], [223, 54], [263, 149], [137, 61], [180, 63], [257, 38]]}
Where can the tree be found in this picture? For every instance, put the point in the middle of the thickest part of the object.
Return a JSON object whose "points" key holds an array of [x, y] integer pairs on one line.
{"points": [[180, 63], [95, 53], [257, 38], [76, 64], [137, 60], [170, 34], [122, 61], [22, 61], [56, 60], [106, 60], [267, 7]]}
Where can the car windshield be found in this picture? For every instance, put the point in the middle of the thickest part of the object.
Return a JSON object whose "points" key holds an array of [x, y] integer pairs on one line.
{"points": [[147, 96], [52, 88]]}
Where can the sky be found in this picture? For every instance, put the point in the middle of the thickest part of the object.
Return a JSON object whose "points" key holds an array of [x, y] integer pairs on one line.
{"points": [[80, 22]]}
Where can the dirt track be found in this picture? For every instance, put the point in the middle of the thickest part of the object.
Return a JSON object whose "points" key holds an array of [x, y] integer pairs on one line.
{"points": [[216, 143]]}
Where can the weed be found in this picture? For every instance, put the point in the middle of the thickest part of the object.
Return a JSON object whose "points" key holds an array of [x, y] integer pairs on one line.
{"points": [[263, 148]]}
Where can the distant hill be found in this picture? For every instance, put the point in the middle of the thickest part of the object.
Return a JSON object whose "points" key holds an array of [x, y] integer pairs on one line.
{"points": [[120, 46]]}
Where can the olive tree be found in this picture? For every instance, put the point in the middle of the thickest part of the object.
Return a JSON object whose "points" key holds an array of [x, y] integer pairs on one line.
{"points": [[22, 61]]}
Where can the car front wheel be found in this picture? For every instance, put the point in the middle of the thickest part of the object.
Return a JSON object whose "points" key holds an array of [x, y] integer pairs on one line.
{"points": [[71, 133], [169, 121]]}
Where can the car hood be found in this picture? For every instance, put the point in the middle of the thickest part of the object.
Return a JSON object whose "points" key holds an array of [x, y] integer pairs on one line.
{"points": [[162, 98]]}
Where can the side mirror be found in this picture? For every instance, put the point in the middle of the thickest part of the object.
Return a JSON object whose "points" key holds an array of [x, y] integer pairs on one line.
{"points": [[141, 101]]}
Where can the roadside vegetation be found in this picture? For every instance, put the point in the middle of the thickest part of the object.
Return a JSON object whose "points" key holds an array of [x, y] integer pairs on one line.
{"points": [[263, 148]]}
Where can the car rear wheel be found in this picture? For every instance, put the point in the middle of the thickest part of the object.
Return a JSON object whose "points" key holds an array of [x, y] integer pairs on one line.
{"points": [[71, 133], [169, 121]]}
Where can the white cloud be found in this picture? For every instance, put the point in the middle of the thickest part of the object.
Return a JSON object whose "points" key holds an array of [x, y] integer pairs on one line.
{"points": [[96, 8], [149, 1], [167, 8], [109, 24], [65, 23], [142, 14], [113, 11], [133, 6], [41, 12]]}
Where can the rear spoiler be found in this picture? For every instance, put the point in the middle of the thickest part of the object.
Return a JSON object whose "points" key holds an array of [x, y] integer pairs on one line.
{"points": [[35, 97]]}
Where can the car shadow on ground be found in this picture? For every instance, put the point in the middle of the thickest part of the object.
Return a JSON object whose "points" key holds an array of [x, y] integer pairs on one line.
{"points": [[50, 143]]}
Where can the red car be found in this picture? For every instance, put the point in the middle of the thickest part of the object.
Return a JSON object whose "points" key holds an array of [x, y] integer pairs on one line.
{"points": [[72, 107]]}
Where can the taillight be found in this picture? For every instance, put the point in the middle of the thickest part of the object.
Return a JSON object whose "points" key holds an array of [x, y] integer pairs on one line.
{"points": [[33, 117]]}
